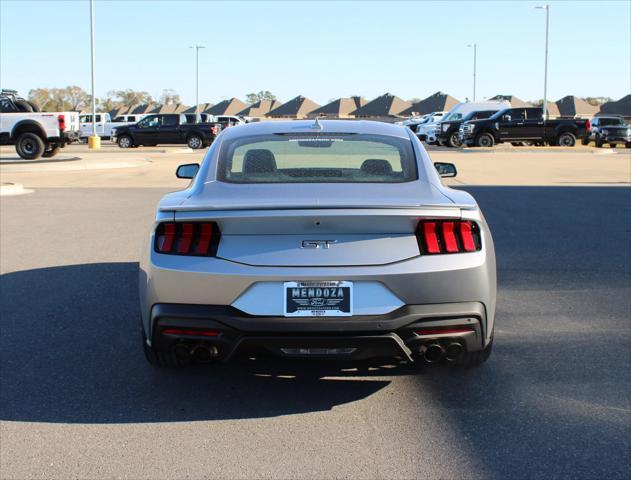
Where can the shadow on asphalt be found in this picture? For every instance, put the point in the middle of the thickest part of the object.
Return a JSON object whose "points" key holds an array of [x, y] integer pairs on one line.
{"points": [[553, 398]]}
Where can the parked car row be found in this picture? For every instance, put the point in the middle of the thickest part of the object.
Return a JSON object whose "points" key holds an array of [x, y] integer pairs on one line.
{"points": [[485, 124]]}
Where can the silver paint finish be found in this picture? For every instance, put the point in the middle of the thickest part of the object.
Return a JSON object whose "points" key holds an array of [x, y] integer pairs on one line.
{"points": [[263, 227]]}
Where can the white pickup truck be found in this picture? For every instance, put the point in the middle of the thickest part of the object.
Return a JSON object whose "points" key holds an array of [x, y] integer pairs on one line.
{"points": [[35, 134], [104, 125]]}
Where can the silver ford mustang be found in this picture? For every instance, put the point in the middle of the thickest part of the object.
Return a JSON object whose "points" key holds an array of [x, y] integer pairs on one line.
{"points": [[319, 239]]}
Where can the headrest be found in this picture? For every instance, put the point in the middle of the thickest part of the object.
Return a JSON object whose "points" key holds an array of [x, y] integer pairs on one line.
{"points": [[375, 166], [259, 160]]}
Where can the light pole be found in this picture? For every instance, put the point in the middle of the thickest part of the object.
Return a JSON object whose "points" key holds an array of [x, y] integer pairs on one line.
{"points": [[94, 142], [475, 55], [545, 74], [197, 47]]}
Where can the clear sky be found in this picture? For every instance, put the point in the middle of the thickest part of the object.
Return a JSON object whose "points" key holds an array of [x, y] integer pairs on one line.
{"points": [[322, 49]]}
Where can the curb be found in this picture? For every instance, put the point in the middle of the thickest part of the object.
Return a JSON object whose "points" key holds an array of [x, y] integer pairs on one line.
{"points": [[10, 189]]}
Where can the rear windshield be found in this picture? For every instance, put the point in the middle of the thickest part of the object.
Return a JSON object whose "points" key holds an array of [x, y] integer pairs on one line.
{"points": [[317, 158], [611, 122]]}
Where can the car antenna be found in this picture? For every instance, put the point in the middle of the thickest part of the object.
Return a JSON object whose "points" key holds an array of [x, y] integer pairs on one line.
{"points": [[316, 124]]}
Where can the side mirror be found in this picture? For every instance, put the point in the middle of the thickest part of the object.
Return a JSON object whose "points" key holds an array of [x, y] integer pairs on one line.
{"points": [[188, 170], [446, 169]]}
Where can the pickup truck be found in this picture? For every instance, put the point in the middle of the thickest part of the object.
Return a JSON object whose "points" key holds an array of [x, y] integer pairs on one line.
{"points": [[104, 125], [448, 130], [35, 134], [523, 125], [169, 128], [609, 129]]}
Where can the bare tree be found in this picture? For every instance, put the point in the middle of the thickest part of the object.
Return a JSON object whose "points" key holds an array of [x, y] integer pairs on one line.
{"points": [[129, 98], [169, 97]]}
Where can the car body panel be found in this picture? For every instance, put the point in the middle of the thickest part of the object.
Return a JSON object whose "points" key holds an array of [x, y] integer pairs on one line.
{"points": [[267, 237]]}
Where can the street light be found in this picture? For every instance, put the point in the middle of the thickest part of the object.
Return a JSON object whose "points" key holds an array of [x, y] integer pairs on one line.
{"points": [[475, 54], [545, 75], [94, 142], [197, 47]]}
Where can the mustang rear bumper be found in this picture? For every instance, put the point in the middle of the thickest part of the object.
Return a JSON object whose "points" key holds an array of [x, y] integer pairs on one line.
{"points": [[400, 333]]}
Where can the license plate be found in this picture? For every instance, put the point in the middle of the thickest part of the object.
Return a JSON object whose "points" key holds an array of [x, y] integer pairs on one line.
{"points": [[319, 299]]}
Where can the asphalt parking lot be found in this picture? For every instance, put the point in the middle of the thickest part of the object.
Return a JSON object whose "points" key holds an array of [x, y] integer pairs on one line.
{"points": [[77, 398]]}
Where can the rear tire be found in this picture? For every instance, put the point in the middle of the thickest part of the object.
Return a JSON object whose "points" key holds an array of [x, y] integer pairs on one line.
{"points": [[485, 140], [34, 106], [566, 139], [475, 359], [195, 142], [29, 146], [24, 106], [612, 145], [51, 152], [585, 141], [125, 141], [454, 141], [598, 142]]}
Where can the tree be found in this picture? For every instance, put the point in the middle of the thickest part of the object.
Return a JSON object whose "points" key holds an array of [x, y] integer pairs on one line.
{"points": [[597, 101], [257, 97], [40, 97], [129, 97], [169, 97], [76, 97]]}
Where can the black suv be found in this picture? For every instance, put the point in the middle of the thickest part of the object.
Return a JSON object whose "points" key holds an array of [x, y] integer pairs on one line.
{"points": [[612, 130]]}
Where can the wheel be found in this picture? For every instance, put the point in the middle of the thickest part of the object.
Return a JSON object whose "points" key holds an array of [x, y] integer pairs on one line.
{"points": [[34, 106], [485, 140], [627, 145], [585, 141], [612, 145], [125, 141], [51, 152], [24, 106], [162, 359], [598, 142], [195, 142], [454, 141], [29, 146], [475, 359], [566, 139]]}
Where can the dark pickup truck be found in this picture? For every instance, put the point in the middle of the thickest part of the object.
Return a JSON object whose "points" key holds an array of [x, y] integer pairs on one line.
{"points": [[524, 125], [611, 130], [449, 130], [170, 128]]}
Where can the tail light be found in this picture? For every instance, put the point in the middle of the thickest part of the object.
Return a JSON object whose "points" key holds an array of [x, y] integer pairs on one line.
{"points": [[213, 130], [187, 238], [61, 119], [588, 125], [448, 236]]}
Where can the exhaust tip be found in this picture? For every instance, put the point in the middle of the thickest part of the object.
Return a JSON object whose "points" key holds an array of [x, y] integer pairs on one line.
{"points": [[204, 353], [182, 351], [453, 351], [433, 352]]}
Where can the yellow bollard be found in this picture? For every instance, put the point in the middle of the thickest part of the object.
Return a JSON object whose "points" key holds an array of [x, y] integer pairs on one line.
{"points": [[94, 142]]}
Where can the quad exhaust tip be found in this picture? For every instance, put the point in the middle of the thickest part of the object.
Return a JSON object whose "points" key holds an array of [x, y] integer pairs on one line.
{"points": [[204, 353], [432, 352], [453, 351]]}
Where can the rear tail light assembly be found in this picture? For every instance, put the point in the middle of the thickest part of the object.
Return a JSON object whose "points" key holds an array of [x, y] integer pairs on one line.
{"points": [[213, 130], [61, 119], [448, 236], [588, 125], [187, 238]]}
